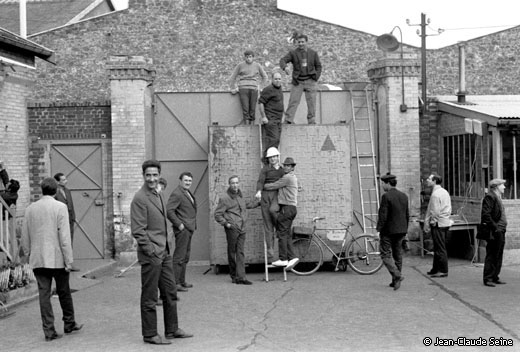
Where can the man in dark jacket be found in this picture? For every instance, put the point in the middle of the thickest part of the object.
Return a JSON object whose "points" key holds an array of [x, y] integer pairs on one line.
{"points": [[306, 73], [182, 212], [231, 213], [392, 226], [493, 230]]}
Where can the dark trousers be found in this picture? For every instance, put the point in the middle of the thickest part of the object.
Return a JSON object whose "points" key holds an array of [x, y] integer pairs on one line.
{"points": [[71, 225], [157, 273], [44, 278], [391, 247], [270, 208], [248, 99], [271, 133], [235, 252], [181, 255], [440, 254], [284, 223], [494, 255]]}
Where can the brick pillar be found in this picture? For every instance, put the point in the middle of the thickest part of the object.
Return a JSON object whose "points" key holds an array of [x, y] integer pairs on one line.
{"points": [[398, 131], [131, 78]]}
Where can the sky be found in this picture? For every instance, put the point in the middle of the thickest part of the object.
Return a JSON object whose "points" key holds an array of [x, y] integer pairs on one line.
{"points": [[460, 19]]}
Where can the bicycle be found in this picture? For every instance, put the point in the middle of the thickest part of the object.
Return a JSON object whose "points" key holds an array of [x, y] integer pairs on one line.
{"points": [[360, 253]]}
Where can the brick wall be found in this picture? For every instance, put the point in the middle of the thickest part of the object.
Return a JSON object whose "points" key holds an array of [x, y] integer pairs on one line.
{"points": [[15, 88], [61, 121], [196, 43]]}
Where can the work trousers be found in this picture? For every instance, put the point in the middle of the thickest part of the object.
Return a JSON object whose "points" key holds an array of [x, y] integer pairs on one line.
{"points": [[181, 255], [310, 87], [284, 223], [44, 278], [391, 248], [270, 208], [494, 256], [440, 253], [248, 99], [157, 273], [235, 252], [271, 132]]}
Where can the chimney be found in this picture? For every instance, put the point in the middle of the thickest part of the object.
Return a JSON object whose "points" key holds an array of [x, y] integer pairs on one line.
{"points": [[23, 19], [461, 94]]}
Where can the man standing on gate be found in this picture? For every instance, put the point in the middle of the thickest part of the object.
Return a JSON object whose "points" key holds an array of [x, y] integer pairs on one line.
{"points": [[271, 111], [287, 188], [494, 224], [46, 241], [305, 75], [392, 225], [182, 212], [63, 195], [150, 229], [437, 220]]}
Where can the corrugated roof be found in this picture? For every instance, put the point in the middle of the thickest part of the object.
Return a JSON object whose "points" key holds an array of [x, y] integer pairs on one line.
{"points": [[42, 15], [502, 107]]}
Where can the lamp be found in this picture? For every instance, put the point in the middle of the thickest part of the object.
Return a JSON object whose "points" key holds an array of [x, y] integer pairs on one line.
{"points": [[388, 42]]}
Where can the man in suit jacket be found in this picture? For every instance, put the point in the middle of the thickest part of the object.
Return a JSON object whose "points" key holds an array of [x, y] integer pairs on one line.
{"points": [[150, 229], [392, 225], [46, 241], [182, 212], [306, 73], [494, 224], [63, 195]]}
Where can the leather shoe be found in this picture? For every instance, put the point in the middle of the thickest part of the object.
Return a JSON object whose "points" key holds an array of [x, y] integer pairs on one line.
{"points": [[53, 337], [397, 283], [156, 340], [243, 282], [186, 285], [181, 289], [498, 282], [76, 327], [431, 272], [489, 284], [179, 334], [439, 275]]}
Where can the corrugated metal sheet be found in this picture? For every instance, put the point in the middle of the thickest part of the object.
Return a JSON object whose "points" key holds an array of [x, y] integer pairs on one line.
{"points": [[501, 107]]}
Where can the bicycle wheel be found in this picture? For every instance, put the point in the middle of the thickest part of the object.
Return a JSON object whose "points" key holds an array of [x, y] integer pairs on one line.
{"points": [[363, 255], [310, 254]]}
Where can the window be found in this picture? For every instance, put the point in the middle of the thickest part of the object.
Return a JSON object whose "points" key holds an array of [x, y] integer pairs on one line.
{"points": [[510, 154], [464, 175]]}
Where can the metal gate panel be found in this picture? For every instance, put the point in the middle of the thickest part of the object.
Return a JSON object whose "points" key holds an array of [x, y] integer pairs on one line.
{"points": [[82, 165]]}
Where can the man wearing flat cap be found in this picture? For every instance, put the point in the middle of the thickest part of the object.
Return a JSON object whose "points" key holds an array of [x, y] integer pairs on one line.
{"points": [[493, 229], [287, 188], [392, 225]]}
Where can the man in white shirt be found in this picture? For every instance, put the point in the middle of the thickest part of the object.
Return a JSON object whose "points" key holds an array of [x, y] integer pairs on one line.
{"points": [[437, 220]]}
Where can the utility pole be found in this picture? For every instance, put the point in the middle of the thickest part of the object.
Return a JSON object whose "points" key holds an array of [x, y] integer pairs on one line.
{"points": [[423, 59]]}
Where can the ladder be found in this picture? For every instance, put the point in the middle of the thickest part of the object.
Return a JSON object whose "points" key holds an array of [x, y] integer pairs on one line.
{"points": [[365, 159]]}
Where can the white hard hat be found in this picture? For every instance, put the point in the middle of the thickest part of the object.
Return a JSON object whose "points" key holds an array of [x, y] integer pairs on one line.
{"points": [[272, 152]]}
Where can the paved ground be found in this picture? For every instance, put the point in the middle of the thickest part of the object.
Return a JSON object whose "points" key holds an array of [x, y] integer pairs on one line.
{"points": [[327, 311]]}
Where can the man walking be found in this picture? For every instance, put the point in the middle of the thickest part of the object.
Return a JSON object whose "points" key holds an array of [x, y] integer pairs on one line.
{"points": [[437, 220], [271, 111], [231, 213], [63, 195], [46, 241], [392, 225], [306, 73], [150, 229], [182, 212], [269, 198], [494, 224], [287, 188]]}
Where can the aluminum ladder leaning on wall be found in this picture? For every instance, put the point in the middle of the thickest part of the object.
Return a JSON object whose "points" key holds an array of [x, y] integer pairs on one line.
{"points": [[365, 160]]}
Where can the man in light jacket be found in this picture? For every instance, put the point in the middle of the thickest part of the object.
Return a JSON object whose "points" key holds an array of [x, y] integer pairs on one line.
{"points": [[46, 241]]}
